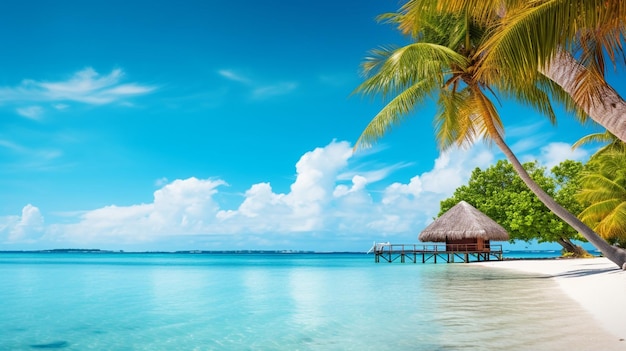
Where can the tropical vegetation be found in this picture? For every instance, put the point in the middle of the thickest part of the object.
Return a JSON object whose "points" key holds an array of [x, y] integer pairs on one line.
{"points": [[499, 193], [603, 188], [444, 61]]}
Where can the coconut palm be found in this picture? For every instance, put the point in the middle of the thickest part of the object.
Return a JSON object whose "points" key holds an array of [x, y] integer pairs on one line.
{"points": [[443, 62], [541, 36], [604, 188]]}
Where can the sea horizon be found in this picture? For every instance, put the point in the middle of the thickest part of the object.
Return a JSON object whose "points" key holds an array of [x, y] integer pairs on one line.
{"points": [[549, 253]]}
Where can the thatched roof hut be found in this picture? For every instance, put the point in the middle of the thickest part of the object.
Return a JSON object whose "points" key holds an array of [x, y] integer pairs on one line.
{"points": [[463, 224]]}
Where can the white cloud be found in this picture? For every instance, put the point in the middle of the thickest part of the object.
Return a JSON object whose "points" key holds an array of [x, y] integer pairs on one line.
{"points": [[318, 203], [161, 181], [528, 137], [303, 208], [371, 172], [85, 86], [523, 131], [555, 153], [259, 91], [30, 158], [417, 202], [394, 191], [180, 207], [61, 107], [12, 146], [27, 227], [32, 112], [451, 170], [358, 184], [228, 74], [274, 90]]}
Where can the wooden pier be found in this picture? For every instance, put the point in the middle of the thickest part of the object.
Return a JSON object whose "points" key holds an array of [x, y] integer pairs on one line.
{"points": [[449, 253]]}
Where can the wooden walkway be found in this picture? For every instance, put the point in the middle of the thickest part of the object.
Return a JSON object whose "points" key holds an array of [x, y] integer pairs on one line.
{"points": [[436, 253]]}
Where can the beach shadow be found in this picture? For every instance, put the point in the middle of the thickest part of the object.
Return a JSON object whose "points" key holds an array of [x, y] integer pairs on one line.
{"points": [[587, 272]]}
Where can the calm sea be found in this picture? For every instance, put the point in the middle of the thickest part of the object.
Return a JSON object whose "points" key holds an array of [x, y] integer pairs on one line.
{"points": [[88, 301]]}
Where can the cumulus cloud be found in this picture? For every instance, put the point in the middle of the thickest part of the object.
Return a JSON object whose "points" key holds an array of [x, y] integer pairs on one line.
{"points": [[416, 202], [358, 184], [86, 86], [180, 207], [24, 228], [303, 208], [320, 202], [332, 197]]}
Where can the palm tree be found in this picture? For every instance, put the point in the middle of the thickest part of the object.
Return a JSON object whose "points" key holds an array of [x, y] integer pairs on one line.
{"points": [[604, 188], [553, 30], [565, 40], [444, 61]]}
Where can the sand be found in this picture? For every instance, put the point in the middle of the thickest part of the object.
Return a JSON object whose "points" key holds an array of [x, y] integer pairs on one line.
{"points": [[597, 284]]}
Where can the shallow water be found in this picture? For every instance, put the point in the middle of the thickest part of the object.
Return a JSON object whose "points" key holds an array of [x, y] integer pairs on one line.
{"points": [[82, 301]]}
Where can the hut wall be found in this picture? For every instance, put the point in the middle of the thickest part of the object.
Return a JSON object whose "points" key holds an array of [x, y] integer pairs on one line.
{"points": [[465, 244], [468, 244]]}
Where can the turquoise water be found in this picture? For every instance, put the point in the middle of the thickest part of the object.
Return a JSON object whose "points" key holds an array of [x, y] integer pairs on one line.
{"points": [[87, 301]]}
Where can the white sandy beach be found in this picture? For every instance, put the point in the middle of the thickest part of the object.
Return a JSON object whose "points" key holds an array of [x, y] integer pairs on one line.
{"points": [[597, 284]]}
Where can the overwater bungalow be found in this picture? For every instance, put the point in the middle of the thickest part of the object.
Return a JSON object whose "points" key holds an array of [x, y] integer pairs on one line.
{"points": [[464, 228], [466, 234]]}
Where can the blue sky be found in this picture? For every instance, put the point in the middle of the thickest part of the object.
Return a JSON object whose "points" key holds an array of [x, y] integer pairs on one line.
{"points": [[166, 125]]}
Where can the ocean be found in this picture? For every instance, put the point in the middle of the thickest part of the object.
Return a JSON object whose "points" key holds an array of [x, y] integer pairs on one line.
{"points": [[126, 301]]}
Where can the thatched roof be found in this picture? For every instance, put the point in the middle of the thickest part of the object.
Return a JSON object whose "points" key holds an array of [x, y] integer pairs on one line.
{"points": [[463, 221]]}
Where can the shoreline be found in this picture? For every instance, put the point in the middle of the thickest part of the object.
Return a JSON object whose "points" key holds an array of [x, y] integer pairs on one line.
{"points": [[596, 284]]}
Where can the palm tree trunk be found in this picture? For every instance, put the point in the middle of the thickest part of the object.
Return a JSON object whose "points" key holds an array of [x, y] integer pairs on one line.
{"points": [[615, 254], [607, 108]]}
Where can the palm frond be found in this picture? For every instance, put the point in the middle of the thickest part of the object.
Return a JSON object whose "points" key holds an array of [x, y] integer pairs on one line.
{"points": [[536, 29], [528, 35], [394, 112], [411, 18], [532, 95], [613, 225], [559, 95], [597, 187], [600, 32], [393, 70], [604, 137], [603, 188], [486, 118], [452, 123], [479, 10], [598, 210], [590, 87]]}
